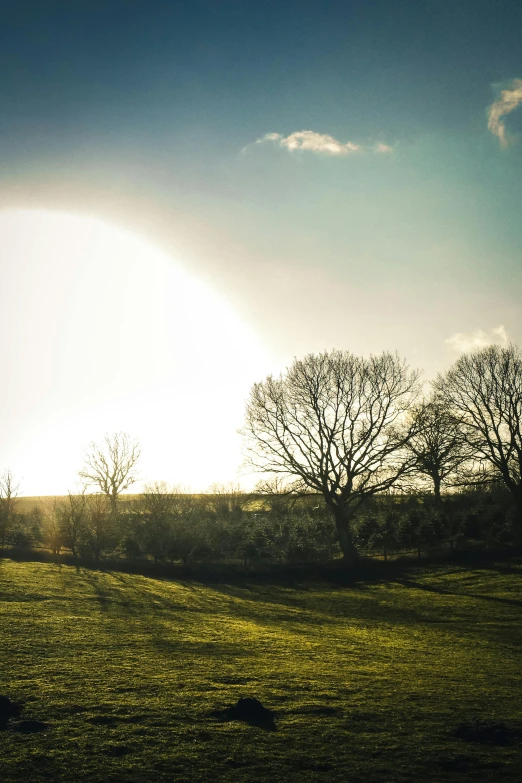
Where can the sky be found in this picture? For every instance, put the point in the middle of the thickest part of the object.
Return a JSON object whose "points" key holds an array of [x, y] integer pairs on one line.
{"points": [[194, 193]]}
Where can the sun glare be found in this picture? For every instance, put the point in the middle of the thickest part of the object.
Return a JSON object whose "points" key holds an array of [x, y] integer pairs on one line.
{"points": [[99, 332]]}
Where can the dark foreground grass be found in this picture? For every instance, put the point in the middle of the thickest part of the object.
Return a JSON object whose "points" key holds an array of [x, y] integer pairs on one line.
{"points": [[367, 682]]}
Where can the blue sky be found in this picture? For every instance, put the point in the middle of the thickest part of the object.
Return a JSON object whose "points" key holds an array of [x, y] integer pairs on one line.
{"points": [[147, 114], [226, 69]]}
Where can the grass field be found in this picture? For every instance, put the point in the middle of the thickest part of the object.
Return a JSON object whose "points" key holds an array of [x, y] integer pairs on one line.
{"points": [[367, 681], [25, 504]]}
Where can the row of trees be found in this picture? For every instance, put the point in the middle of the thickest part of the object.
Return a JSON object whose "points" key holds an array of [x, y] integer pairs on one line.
{"points": [[166, 525], [342, 428], [351, 428]]}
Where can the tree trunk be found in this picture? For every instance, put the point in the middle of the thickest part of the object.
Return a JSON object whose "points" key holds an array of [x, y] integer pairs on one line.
{"points": [[113, 498], [436, 491], [343, 526]]}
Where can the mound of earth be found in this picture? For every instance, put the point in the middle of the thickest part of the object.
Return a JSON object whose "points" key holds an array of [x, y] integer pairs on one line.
{"points": [[487, 733], [250, 711], [8, 709]]}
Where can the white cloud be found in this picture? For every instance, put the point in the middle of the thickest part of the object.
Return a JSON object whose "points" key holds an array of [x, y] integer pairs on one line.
{"points": [[472, 341], [270, 137], [322, 143], [508, 101], [382, 149]]}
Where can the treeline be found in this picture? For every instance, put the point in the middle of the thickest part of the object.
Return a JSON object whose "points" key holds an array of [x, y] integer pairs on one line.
{"points": [[354, 429], [356, 457], [167, 526]]}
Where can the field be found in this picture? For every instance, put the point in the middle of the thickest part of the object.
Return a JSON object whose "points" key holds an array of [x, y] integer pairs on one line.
{"points": [[26, 504], [368, 682]]}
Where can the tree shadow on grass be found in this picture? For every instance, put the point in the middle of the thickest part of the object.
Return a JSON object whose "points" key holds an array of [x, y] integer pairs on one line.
{"points": [[285, 611], [104, 594], [460, 594]]}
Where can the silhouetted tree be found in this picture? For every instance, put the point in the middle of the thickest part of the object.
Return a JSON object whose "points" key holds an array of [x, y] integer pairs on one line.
{"points": [[25, 529], [8, 497], [483, 390], [34, 525], [52, 533], [100, 526], [229, 533], [336, 424], [438, 444], [110, 466], [71, 516], [158, 509], [278, 497], [280, 526]]}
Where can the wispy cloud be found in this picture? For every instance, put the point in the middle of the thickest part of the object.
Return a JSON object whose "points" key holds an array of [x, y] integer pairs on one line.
{"points": [[382, 149], [320, 143], [508, 101], [310, 141], [471, 341]]}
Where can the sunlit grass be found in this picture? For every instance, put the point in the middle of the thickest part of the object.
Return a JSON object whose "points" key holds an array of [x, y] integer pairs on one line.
{"points": [[367, 681]]}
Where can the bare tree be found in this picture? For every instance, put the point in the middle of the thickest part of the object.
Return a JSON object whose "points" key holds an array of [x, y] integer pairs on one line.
{"points": [[336, 424], [100, 532], [438, 444], [484, 392], [159, 500], [157, 510], [8, 496], [71, 515], [170, 521], [228, 501], [281, 527], [52, 534], [110, 466], [279, 497]]}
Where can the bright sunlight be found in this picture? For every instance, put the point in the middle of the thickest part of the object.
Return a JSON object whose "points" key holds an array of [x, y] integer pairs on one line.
{"points": [[102, 332]]}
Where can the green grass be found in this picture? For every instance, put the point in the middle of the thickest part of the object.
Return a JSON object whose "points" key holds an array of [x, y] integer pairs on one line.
{"points": [[367, 681]]}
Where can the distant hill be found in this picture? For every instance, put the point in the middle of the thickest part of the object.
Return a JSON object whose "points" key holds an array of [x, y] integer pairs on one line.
{"points": [[25, 504]]}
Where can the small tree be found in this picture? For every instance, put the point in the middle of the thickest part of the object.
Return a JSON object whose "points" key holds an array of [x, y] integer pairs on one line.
{"points": [[228, 502], [336, 424], [52, 533], [72, 521], [438, 444], [110, 466], [280, 525], [100, 533], [8, 498], [386, 534], [190, 530], [166, 522], [229, 533], [483, 391], [157, 510], [34, 525]]}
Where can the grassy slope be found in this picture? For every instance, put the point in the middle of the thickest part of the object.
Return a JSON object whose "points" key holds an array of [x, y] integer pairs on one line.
{"points": [[367, 681]]}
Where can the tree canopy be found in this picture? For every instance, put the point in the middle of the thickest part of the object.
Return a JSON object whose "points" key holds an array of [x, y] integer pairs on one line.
{"points": [[336, 424]]}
